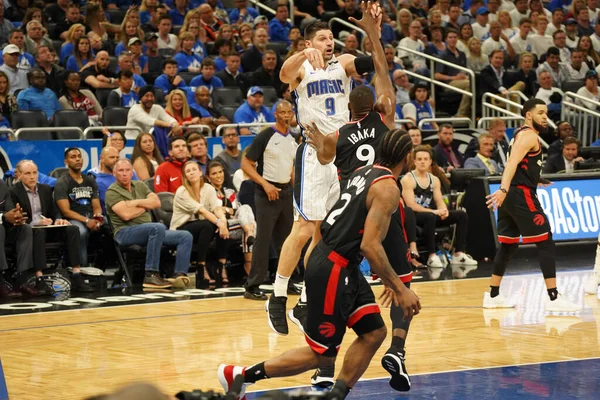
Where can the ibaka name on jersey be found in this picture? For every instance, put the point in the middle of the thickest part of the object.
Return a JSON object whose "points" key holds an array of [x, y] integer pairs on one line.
{"points": [[359, 182], [361, 134], [325, 86]]}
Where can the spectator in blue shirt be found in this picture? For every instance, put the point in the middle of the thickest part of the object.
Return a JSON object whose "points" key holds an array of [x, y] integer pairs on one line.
{"points": [[146, 9], [178, 12], [207, 77], [390, 54], [82, 54], [123, 96], [279, 27], [169, 80], [37, 96], [253, 111], [187, 61], [224, 48], [125, 63], [242, 13]]}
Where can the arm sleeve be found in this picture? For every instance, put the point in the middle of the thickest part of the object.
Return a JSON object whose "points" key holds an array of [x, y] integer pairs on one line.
{"points": [[240, 116], [186, 202], [60, 190], [161, 181], [65, 103], [163, 116], [94, 99], [95, 194], [141, 117], [212, 201], [162, 83], [259, 144], [22, 102]]}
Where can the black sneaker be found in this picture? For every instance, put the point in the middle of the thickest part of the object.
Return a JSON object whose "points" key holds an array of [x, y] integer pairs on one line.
{"points": [[78, 284], [323, 377], [153, 280], [276, 315], [298, 315], [293, 289], [42, 286], [393, 362], [255, 295]]}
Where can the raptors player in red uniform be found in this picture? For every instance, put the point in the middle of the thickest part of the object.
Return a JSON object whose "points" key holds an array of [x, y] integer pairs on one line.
{"points": [[520, 214]]}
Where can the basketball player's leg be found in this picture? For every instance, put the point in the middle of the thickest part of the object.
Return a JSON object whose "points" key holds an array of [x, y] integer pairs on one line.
{"points": [[591, 284]]}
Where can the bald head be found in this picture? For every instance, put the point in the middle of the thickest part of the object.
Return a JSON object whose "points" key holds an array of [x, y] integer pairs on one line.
{"points": [[108, 158], [102, 60], [202, 96], [260, 38]]}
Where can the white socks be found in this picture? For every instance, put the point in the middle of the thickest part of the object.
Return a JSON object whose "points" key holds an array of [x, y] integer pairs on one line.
{"points": [[280, 286], [303, 294]]}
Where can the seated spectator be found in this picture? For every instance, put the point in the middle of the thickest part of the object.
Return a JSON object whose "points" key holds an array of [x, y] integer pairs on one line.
{"points": [[409, 60], [252, 58], [556, 24], [464, 35], [38, 96], [82, 54], [39, 209], [403, 86], [453, 76], [57, 12], [75, 98], [496, 128], [231, 75], [198, 149], [541, 41], [415, 136], [590, 56], [123, 96], [552, 65], [476, 60], [469, 16], [421, 191], [207, 77], [446, 151], [576, 69], [114, 139], [527, 75], [5, 25], [155, 61], [17, 78], [145, 157], [197, 209], [566, 160], [26, 61], [72, 17], [481, 27], [76, 196], [201, 106], [253, 111], [168, 173], [299, 44], [54, 72], [178, 108], [240, 218], [583, 22], [169, 80], [208, 21], [493, 79], [351, 45], [506, 24], [125, 63], [560, 42], [103, 173], [223, 47], [99, 75], [419, 107], [242, 13], [179, 11], [483, 159], [8, 103], [268, 73], [146, 115], [520, 11], [139, 60], [35, 37], [547, 88], [521, 42], [390, 57], [589, 90], [564, 130], [497, 41], [231, 156], [151, 24], [279, 27], [166, 40], [68, 47], [128, 205], [147, 9], [187, 60]]}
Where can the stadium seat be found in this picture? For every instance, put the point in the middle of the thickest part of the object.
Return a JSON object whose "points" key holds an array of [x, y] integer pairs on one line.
{"points": [[75, 118], [51, 27], [279, 47], [159, 97], [30, 119], [270, 95], [57, 44], [572, 85], [166, 53], [327, 15], [228, 112], [58, 172], [187, 76], [164, 213], [227, 96], [150, 183], [114, 63], [116, 16], [115, 116], [175, 29], [102, 96]]}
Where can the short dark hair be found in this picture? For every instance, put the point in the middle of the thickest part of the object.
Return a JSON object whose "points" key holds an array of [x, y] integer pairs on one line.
{"points": [[449, 31], [269, 52], [557, 32], [531, 104], [125, 74], [571, 140], [169, 61], [446, 126], [554, 51], [413, 90], [311, 29], [70, 149], [423, 148], [524, 21], [361, 98], [233, 53], [221, 42], [207, 62], [164, 16], [557, 10], [496, 51], [174, 139]]}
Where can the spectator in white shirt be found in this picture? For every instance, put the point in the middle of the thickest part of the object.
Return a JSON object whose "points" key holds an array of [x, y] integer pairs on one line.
{"points": [[546, 89], [593, 10], [414, 42], [596, 36], [558, 16], [577, 69], [147, 115], [497, 41], [572, 31], [541, 41], [17, 77], [589, 91], [559, 39], [506, 24], [166, 40], [481, 28], [493, 7], [521, 11], [554, 67], [521, 43]]}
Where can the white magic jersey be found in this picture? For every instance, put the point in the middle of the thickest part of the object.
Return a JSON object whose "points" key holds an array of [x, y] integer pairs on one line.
{"points": [[323, 96]]}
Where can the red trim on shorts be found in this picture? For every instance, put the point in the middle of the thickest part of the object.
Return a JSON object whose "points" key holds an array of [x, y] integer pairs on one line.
{"points": [[407, 278], [528, 198], [508, 239], [536, 238], [316, 346], [339, 262], [361, 312]]}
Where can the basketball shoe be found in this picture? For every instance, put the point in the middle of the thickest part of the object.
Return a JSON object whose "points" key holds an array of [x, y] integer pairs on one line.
{"points": [[393, 362], [496, 302], [323, 377], [276, 314], [591, 284], [561, 304], [298, 315], [227, 374]]}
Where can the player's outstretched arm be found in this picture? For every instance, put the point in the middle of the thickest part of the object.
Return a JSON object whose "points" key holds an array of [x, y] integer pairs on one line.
{"points": [[324, 144], [292, 71]]}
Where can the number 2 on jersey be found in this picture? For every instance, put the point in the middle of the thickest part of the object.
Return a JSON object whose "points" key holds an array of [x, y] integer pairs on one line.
{"points": [[333, 215], [330, 106], [365, 152]]}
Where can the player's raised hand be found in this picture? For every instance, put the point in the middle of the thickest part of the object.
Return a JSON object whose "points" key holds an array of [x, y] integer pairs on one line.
{"points": [[315, 57], [316, 138], [495, 199], [372, 15]]}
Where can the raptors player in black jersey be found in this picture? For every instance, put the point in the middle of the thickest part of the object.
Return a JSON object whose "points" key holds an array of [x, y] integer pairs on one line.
{"points": [[520, 214], [353, 146], [337, 293]]}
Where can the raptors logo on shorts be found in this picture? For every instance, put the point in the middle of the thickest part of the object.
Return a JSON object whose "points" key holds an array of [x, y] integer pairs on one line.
{"points": [[327, 329]]}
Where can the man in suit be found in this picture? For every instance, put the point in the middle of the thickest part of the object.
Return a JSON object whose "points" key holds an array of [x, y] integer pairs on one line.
{"points": [[13, 228], [496, 128], [493, 79], [483, 159], [446, 152], [38, 205], [566, 160], [563, 130]]}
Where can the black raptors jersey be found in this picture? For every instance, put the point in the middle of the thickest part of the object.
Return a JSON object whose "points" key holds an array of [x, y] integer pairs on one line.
{"points": [[343, 227], [357, 143], [530, 168]]}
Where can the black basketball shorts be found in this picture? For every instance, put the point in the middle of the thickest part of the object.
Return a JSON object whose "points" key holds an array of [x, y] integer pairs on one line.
{"points": [[521, 215], [338, 296]]}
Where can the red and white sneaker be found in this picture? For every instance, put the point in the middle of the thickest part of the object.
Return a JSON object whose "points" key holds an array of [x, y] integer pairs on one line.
{"points": [[227, 374]]}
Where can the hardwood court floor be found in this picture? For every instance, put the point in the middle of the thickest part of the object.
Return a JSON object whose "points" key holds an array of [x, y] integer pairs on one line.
{"points": [[178, 345]]}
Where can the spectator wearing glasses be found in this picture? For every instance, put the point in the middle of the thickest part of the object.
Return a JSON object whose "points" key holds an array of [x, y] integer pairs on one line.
{"points": [[483, 159], [208, 21]]}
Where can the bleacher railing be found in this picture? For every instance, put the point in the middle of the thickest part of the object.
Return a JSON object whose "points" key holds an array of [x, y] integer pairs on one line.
{"points": [[268, 9], [349, 25], [220, 128], [21, 131], [491, 110], [483, 123], [449, 119], [91, 129], [585, 122], [10, 132], [200, 127], [433, 82]]}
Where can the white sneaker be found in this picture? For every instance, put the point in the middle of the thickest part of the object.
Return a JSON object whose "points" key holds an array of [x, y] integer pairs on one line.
{"points": [[591, 284], [561, 304], [463, 259], [435, 262], [496, 302]]}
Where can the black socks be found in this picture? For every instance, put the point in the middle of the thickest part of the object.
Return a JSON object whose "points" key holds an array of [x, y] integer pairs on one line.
{"points": [[494, 291], [398, 343], [553, 293], [255, 373]]}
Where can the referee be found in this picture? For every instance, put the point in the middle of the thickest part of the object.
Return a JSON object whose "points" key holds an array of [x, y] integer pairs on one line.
{"points": [[269, 163]]}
